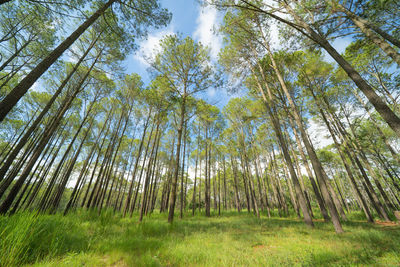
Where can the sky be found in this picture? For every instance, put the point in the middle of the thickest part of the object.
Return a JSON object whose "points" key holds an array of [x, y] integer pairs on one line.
{"points": [[189, 18]]}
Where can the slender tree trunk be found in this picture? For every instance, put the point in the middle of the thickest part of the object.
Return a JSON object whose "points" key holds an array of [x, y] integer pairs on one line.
{"points": [[38, 172], [132, 208], [251, 186], [278, 132], [178, 149], [381, 107], [19, 91], [225, 197], [246, 189], [219, 191], [183, 171], [48, 133], [86, 164], [34, 125], [83, 203], [165, 194], [129, 197], [11, 58], [235, 182], [361, 198], [61, 188], [43, 204], [195, 174], [319, 171], [368, 29], [147, 179], [383, 136], [215, 186]]}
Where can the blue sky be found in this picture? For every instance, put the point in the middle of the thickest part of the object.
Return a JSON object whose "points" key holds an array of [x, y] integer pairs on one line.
{"points": [[189, 18], [185, 14]]}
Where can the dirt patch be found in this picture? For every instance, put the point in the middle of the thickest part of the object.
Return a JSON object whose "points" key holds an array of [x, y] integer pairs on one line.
{"points": [[118, 263], [257, 247], [386, 223]]}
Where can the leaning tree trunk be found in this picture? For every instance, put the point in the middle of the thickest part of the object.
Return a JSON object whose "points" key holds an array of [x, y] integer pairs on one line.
{"points": [[368, 29], [85, 196], [43, 142], [44, 203], [23, 86], [359, 196], [4, 1], [318, 196], [278, 132], [317, 166], [147, 179], [34, 125], [132, 208], [128, 199], [85, 165], [61, 188], [374, 122], [381, 107]]}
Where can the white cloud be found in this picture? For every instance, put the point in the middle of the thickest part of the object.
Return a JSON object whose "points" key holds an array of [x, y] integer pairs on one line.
{"points": [[211, 92], [274, 36], [208, 17], [35, 86], [150, 45], [319, 134]]}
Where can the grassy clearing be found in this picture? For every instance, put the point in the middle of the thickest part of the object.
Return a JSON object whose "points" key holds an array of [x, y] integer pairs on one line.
{"points": [[83, 238]]}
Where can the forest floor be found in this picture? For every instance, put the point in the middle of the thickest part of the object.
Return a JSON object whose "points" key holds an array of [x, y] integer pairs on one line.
{"points": [[85, 239]]}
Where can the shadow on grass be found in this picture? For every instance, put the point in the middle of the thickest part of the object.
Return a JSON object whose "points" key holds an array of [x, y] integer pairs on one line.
{"points": [[284, 241]]}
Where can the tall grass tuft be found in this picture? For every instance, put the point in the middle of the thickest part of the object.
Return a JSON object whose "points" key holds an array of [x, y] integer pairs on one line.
{"points": [[17, 233], [28, 237]]}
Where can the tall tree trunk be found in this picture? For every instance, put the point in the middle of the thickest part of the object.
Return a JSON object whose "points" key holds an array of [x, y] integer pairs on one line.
{"points": [[381, 107], [195, 174], [219, 191], [85, 165], [43, 142], [178, 150], [317, 166], [83, 203], [23, 86], [235, 182], [368, 29], [129, 197], [246, 188], [34, 125], [359, 196], [183, 171], [147, 179], [132, 208], [225, 197], [278, 132]]}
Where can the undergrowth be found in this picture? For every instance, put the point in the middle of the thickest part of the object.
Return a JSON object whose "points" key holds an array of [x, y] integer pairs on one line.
{"points": [[86, 239]]}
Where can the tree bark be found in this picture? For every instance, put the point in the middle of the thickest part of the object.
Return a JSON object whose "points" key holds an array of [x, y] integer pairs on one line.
{"points": [[278, 132], [176, 171], [23, 86]]}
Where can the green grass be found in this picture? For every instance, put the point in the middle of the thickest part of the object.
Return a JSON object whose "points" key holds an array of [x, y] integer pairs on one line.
{"points": [[84, 239]]}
